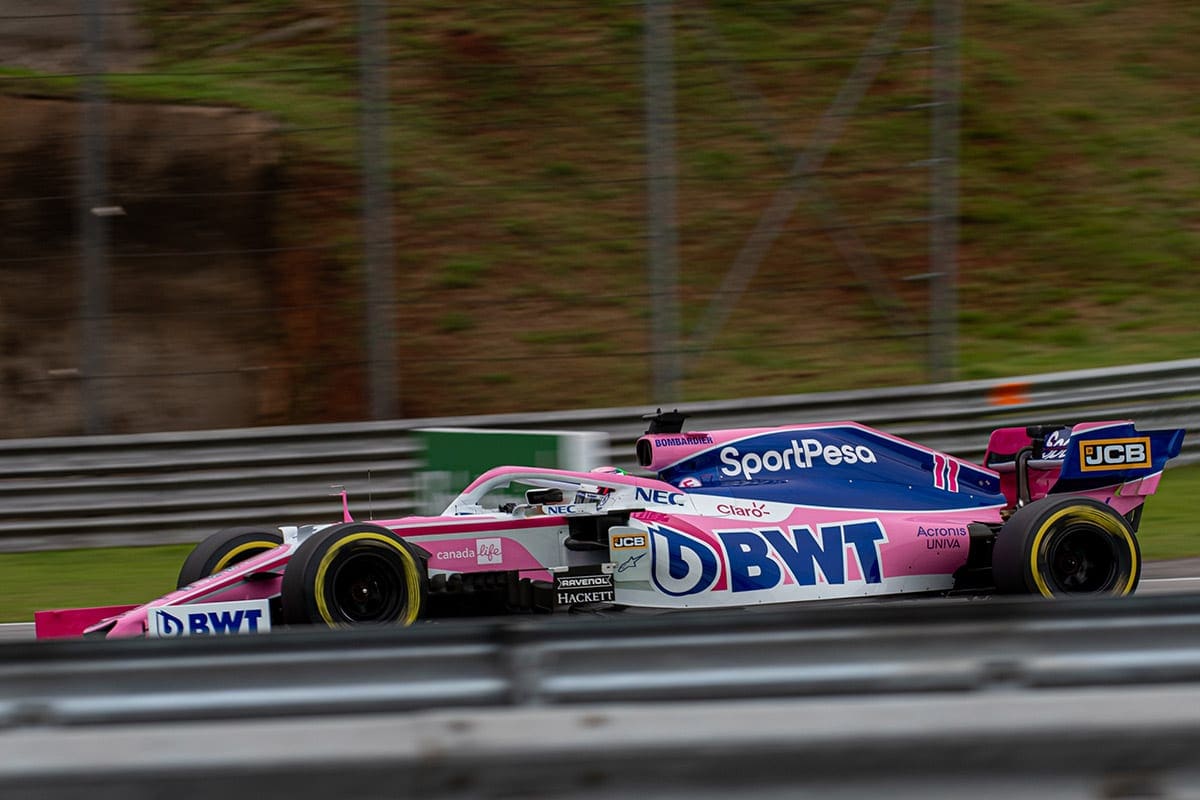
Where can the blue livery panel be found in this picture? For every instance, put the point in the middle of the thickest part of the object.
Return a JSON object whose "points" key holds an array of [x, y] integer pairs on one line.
{"points": [[842, 466], [1115, 454]]}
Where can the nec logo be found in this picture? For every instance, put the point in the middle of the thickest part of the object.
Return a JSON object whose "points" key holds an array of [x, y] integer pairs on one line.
{"points": [[659, 496], [1105, 454], [209, 619], [628, 541]]}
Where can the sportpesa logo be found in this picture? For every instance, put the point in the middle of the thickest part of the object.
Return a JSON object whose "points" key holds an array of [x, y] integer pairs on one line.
{"points": [[801, 455]]}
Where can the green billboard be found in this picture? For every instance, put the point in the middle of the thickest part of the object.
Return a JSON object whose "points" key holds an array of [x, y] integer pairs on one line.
{"points": [[453, 457]]}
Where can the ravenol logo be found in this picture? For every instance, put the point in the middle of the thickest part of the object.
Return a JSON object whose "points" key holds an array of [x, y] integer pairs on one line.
{"points": [[209, 619], [1104, 454]]}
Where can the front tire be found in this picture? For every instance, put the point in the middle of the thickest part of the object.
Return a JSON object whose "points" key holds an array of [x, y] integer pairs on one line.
{"points": [[1073, 546], [353, 574], [224, 549]]}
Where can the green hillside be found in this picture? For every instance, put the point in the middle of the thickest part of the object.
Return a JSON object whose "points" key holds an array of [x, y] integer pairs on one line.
{"points": [[519, 189]]}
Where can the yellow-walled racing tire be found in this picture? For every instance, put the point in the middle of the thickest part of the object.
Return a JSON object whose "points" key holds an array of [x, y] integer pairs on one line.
{"points": [[1067, 545], [353, 574], [224, 549]]}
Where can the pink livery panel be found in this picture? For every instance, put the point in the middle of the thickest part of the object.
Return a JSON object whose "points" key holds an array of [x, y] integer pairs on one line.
{"points": [[808, 554]]}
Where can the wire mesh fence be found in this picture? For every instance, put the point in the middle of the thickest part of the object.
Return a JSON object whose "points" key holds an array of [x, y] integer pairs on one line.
{"points": [[259, 213]]}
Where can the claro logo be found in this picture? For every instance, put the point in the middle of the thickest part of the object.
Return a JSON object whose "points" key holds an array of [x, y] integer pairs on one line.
{"points": [[1102, 454], [801, 455]]}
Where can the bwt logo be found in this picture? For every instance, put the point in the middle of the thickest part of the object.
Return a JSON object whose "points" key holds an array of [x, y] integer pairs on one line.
{"points": [[211, 623], [209, 619], [801, 455], [764, 558], [1102, 454]]}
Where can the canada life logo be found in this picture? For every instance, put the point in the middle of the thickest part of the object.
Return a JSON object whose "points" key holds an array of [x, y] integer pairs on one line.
{"points": [[765, 558], [489, 551]]}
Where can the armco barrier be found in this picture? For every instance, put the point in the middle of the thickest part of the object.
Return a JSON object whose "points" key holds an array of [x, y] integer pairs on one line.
{"points": [[928, 698], [178, 487], [929, 646], [1126, 743]]}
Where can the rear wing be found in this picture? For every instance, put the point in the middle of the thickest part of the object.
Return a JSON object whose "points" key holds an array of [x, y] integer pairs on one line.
{"points": [[1053, 459]]}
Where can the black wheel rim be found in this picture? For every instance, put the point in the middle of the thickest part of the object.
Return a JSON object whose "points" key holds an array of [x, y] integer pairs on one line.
{"points": [[1082, 559], [367, 585]]}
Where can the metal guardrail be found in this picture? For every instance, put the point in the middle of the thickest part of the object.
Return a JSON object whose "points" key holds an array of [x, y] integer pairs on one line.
{"points": [[1134, 743], [67, 492], [923, 698], [860, 649]]}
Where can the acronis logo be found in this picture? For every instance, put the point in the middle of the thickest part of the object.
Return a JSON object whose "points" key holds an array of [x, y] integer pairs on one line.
{"points": [[209, 619], [759, 559]]}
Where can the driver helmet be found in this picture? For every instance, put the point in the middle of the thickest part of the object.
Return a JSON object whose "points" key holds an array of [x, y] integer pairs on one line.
{"points": [[594, 493]]}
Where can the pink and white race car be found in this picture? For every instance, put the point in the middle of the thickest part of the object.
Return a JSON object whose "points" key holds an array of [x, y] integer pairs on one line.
{"points": [[733, 518]]}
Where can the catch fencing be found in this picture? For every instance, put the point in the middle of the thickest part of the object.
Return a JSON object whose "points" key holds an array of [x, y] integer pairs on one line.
{"points": [[177, 487], [1096, 698]]}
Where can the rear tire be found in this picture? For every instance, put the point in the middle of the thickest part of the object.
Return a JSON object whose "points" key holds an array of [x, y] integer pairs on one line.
{"points": [[353, 574], [224, 549], [1067, 545]]}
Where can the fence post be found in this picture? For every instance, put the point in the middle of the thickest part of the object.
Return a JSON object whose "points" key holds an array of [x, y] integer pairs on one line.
{"points": [[659, 65], [943, 225], [94, 327], [378, 251]]}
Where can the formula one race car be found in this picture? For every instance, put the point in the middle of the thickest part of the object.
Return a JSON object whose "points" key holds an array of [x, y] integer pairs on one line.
{"points": [[733, 518]]}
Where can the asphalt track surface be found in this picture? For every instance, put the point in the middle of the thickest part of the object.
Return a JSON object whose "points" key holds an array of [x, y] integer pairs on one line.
{"points": [[1180, 576]]}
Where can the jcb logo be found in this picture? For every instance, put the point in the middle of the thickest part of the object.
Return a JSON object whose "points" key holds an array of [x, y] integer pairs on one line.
{"points": [[1102, 454], [628, 541]]}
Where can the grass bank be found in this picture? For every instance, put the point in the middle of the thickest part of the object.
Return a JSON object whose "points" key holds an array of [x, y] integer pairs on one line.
{"points": [[519, 172]]}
